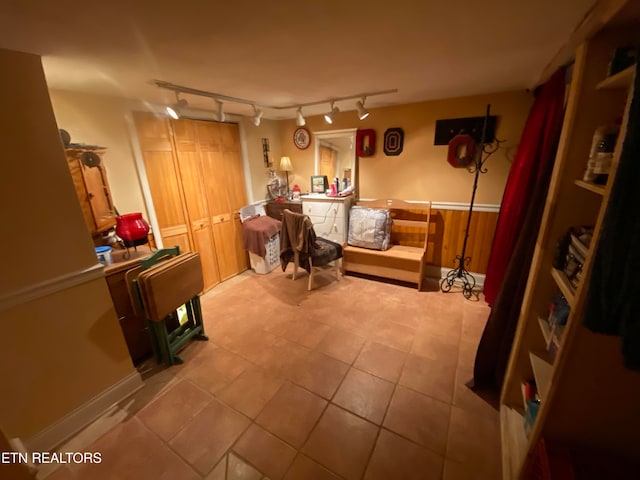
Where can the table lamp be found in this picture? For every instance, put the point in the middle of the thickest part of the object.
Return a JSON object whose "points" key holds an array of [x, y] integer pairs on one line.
{"points": [[285, 166]]}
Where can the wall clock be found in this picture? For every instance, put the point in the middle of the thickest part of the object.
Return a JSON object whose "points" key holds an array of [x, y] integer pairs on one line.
{"points": [[301, 138]]}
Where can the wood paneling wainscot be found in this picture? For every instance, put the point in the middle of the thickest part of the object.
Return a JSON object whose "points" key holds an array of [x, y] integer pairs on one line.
{"points": [[446, 236]]}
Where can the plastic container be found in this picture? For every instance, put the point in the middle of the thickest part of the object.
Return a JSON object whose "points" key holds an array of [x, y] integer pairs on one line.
{"points": [[271, 259], [104, 255]]}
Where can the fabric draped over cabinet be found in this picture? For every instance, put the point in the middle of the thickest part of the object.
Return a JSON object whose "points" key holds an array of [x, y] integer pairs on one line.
{"points": [[613, 300]]}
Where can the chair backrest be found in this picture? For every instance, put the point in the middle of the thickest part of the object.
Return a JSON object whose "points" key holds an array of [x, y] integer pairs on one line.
{"points": [[296, 227]]}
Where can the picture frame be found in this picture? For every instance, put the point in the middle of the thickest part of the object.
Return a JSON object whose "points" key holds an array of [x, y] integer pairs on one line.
{"points": [[301, 138], [319, 183]]}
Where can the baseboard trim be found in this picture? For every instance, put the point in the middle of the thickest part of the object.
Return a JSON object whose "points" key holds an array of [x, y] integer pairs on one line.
{"points": [[434, 271], [73, 422], [50, 286]]}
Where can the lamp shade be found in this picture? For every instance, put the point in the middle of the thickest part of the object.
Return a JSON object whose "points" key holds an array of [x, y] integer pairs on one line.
{"points": [[175, 110], [221, 115], [285, 164], [362, 112], [300, 120]]}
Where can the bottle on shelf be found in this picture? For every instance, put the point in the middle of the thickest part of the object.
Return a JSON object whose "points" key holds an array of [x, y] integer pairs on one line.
{"points": [[601, 153]]}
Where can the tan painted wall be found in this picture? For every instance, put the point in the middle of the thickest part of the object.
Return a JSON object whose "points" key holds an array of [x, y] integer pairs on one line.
{"points": [[101, 120], [421, 172], [63, 349], [258, 173]]}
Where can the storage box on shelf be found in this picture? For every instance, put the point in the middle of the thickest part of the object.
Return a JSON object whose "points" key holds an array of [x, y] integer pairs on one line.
{"points": [[588, 400]]}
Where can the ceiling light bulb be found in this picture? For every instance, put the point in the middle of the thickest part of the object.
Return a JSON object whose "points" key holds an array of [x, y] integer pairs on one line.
{"points": [[172, 113], [257, 116], [300, 121], [362, 112], [221, 115], [330, 116], [175, 110]]}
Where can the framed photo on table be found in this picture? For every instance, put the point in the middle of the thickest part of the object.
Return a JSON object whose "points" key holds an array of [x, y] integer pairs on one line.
{"points": [[319, 183]]}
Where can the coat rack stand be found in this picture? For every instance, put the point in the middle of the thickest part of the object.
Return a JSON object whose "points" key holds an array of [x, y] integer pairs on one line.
{"points": [[460, 274]]}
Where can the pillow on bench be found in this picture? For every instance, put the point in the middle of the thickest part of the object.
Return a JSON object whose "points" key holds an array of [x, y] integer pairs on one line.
{"points": [[369, 228]]}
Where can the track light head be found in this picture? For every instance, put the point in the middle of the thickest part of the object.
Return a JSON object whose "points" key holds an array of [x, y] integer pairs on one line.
{"points": [[257, 116], [175, 110], [330, 116], [221, 115], [362, 112], [300, 121]]}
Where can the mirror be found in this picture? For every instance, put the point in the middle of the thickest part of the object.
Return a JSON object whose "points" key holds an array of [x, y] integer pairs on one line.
{"points": [[336, 155]]}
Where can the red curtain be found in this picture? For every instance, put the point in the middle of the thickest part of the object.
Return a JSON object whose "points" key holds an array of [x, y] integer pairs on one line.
{"points": [[536, 151]]}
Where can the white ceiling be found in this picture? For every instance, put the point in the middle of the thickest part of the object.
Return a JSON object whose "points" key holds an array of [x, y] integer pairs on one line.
{"points": [[283, 52]]}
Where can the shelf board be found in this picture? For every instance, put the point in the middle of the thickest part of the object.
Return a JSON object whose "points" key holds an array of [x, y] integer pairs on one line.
{"points": [[514, 442], [546, 331], [542, 371], [592, 187], [564, 285], [621, 79]]}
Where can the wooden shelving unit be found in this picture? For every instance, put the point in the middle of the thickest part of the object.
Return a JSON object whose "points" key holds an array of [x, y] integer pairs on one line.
{"points": [[546, 331], [588, 400], [621, 79], [514, 440], [563, 284], [592, 187], [542, 372]]}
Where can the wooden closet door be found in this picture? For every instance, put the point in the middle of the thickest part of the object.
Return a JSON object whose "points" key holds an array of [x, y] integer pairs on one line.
{"points": [[156, 144], [237, 191], [224, 187], [328, 163], [188, 156]]}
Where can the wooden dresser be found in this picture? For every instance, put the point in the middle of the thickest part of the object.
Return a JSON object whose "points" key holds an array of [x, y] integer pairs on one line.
{"points": [[330, 215], [275, 209]]}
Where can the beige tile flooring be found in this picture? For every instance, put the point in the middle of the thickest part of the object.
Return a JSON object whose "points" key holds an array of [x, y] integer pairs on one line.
{"points": [[357, 379]]}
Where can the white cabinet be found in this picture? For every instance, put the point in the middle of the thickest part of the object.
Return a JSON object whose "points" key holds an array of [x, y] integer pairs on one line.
{"points": [[330, 215]]}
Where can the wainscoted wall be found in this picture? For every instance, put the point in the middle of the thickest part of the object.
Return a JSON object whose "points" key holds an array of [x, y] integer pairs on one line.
{"points": [[447, 237], [447, 230]]}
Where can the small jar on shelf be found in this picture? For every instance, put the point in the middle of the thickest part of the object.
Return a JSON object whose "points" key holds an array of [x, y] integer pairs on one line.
{"points": [[601, 153]]}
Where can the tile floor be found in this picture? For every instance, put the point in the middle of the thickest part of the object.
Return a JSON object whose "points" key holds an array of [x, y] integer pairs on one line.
{"points": [[357, 379]]}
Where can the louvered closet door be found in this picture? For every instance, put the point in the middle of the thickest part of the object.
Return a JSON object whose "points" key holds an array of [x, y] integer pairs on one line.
{"points": [[154, 134], [188, 155], [224, 187]]}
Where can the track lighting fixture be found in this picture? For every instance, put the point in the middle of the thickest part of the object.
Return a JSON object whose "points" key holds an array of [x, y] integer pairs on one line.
{"points": [[221, 116], [330, 116], [300, 121], [257, 116], [362, 112], [175, 110]]}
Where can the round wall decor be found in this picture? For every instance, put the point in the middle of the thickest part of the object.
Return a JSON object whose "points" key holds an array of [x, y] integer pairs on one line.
{"points": [[301, 138], [462, 150], [393, 141], [365, 142]]}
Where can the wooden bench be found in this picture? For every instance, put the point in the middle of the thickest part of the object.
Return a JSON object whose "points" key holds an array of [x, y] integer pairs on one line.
{"points": [[405, 258]]}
